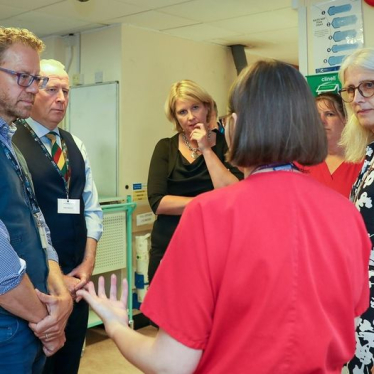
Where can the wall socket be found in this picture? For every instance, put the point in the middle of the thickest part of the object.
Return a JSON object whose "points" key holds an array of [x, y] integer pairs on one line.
{"points": [[78, 79], [99, 77]]}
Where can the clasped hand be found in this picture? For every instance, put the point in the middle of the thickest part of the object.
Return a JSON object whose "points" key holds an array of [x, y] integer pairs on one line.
{"points": [[51, 329], [81, 274]]}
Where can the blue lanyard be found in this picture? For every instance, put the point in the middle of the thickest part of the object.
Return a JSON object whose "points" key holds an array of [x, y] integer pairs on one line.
{"points": [[289, 166], [25, 181], [48, 155]]}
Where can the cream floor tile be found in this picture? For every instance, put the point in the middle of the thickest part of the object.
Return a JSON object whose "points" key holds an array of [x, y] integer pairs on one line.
{"points": [[101, 355]]}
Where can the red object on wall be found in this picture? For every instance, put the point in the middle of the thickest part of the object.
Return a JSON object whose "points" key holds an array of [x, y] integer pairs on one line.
{"points": [[370, 2]]}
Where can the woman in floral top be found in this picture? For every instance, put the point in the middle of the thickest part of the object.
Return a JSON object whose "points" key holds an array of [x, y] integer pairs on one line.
{"points": [[357, 77]]}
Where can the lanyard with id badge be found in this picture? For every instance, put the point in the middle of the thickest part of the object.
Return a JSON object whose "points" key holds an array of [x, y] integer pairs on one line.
{"points": [[31, 199], [64, 206]]}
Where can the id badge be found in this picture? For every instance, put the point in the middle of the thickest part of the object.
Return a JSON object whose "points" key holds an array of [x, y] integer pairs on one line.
{"points": [[41, 230], [65, 206], [43, 237]]}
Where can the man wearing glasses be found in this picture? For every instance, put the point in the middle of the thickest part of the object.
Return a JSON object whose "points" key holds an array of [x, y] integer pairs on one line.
{"points": [[33, 320]]}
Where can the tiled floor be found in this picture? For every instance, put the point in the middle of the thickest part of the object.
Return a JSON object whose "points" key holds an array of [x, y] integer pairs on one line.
{"points": [[101, 356]]}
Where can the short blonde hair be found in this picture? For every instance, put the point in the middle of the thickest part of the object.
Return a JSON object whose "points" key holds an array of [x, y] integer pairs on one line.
{"points": [[355, 137], [186, 90], [11, 35]]}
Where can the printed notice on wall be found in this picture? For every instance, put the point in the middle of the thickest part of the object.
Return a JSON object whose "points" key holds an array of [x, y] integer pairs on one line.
{"points": [[139, 192], [337, 32]]}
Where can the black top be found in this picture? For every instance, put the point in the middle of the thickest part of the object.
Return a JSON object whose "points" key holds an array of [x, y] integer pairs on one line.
{"points": [[171, 174]]}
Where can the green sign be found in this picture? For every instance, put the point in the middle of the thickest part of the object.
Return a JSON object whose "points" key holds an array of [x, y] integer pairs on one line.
{"points": [[321, 83]]}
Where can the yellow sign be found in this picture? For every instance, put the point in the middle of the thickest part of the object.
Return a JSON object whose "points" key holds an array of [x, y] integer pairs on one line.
{"points": [[139, 195]]}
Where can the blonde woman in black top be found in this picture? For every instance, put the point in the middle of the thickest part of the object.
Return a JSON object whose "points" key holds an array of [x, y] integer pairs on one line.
{"points": [[185, 165]]}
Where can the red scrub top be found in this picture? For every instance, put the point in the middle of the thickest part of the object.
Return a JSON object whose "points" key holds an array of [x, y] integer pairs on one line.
{"points": [[341, 180], [265, 276]]}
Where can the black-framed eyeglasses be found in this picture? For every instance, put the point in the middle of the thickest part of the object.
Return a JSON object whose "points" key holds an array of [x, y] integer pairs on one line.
{"points": [[26, 80], [365, 88]]}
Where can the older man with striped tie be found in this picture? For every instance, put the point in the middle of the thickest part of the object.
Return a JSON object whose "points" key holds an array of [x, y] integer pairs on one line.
{"points": [[68, 198]]}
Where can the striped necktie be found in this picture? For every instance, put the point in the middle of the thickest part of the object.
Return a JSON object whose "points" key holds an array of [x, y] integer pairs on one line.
{"points": [[57, 154]]}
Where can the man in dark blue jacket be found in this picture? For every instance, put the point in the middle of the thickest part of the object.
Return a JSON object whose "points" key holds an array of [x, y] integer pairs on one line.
{"points": [[34, 302]]}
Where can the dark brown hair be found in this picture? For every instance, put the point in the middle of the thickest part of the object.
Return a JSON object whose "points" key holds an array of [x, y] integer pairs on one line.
{"points": [[277, 119]]}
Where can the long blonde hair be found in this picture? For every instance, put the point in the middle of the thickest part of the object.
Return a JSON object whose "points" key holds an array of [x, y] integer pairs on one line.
{"points": [[355, 137]]}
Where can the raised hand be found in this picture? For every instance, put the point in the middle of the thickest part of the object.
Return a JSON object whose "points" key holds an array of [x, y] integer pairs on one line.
{"points": [[112, 311]]}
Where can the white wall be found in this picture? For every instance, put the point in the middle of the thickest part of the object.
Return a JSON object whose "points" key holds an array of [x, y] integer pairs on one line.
{"points": [[151, 62], [145, 63], [101, 51], [368, 13], [54, 48]]}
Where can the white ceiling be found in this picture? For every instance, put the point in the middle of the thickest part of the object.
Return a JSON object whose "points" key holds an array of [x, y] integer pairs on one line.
{"points": [[268, 28]]}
